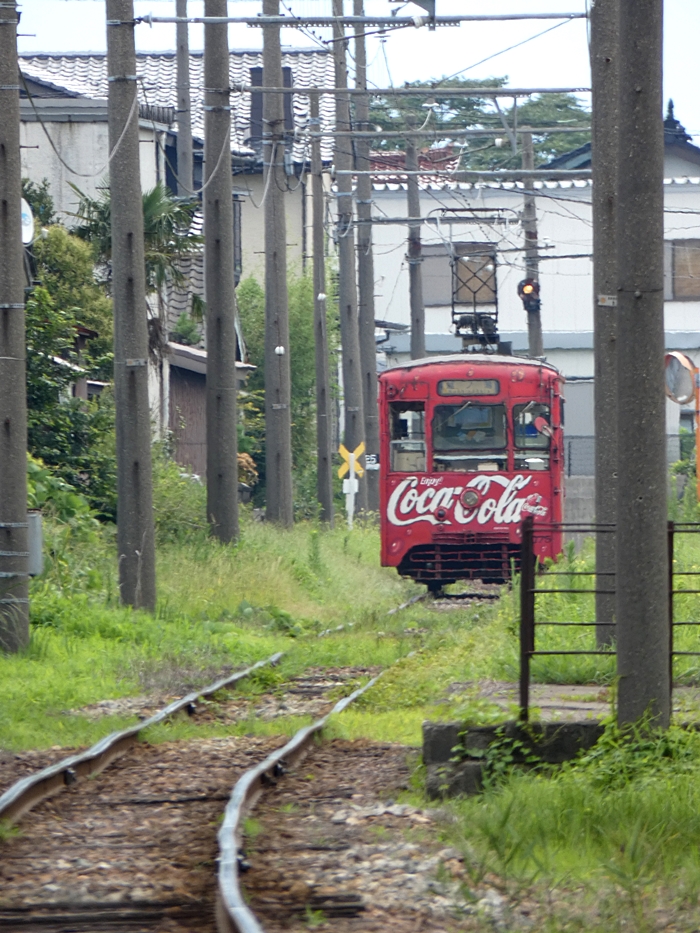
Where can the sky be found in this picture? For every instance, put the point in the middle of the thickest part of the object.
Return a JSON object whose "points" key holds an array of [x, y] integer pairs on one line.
{"points": [[556, 59]]}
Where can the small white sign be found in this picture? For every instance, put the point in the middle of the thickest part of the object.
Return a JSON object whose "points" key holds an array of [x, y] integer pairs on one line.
{"points": [[27, 223]]}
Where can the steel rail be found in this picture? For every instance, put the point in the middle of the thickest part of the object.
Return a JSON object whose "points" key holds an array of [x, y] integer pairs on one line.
{"points": [[28, 791], [232, 913]]}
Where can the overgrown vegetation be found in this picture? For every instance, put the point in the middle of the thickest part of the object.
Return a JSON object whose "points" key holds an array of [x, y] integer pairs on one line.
{"points": [[442, 120], [608, 841], [251, 305]]}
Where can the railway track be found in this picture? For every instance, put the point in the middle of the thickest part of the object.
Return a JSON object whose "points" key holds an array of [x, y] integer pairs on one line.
{"points": [[134, 848]]}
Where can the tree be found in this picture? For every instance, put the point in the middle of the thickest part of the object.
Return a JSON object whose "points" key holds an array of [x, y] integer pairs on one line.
{"points": [[74, 437], [38, 197], [167, 236], [440, 119], [450, 114], [251, 307], [64, 266], [546, 110]]}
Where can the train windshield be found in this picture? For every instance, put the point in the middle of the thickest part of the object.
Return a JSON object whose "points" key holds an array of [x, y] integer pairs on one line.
{"points": [[533, 436], [469, 437]]}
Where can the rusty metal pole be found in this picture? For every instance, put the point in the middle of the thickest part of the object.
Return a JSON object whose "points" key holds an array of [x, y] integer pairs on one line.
{"points": [[527, 613], [670, 548], [14, 602]]}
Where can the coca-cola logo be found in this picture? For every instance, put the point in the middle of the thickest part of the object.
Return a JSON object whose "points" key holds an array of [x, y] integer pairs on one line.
{"points": [[498, 502], [536, 505]]}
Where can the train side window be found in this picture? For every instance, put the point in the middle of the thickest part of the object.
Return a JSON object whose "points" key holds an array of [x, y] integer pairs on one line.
{"points": [[407, 437], [533, 436]]}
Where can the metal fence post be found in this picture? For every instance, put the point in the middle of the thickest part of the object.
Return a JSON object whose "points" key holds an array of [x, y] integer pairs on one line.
{"points": [[670, 540], [527, 613]]}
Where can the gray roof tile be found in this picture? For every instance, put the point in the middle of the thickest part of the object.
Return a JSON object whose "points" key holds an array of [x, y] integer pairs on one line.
{"points": [[85, 74]]}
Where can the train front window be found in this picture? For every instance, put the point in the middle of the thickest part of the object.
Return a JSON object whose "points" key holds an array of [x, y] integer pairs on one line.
{"points": [[533, 436], [407, 437], [469, 437]]}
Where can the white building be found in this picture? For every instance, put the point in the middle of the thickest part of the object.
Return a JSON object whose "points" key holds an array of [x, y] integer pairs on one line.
{"points": [[64, 138], [480, 225]]}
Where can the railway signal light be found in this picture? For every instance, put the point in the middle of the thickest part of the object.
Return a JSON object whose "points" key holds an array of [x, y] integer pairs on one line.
{"points": [[529, 294]]}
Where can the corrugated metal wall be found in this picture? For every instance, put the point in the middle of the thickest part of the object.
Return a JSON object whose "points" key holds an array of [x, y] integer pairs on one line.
{"points": [[188, 419]]}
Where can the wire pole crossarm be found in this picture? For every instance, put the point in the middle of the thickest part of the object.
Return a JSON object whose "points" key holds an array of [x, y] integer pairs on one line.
{"points": [[440, 131], [435, 91], [562, 174], [296, 22]]}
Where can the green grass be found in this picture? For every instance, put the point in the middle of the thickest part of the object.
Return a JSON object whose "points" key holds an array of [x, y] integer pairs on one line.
{"points": [[219, 608], [622, 823]]}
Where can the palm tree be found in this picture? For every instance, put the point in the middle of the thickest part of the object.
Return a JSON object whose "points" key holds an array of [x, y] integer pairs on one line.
{"points": [[166, 229]]}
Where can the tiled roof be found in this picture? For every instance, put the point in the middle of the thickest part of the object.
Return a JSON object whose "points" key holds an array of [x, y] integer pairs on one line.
{"points": [[85, 74]]}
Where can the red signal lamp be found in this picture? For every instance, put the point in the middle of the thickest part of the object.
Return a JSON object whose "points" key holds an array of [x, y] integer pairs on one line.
{"points": [[529, 294]]}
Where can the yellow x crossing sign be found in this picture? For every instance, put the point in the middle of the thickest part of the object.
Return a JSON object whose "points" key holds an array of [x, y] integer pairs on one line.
{"points": [[345, 454]]}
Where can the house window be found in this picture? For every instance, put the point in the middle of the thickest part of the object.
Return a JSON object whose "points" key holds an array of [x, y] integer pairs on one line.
{"points": [[256, 105], [682, 270], [467, 279]]}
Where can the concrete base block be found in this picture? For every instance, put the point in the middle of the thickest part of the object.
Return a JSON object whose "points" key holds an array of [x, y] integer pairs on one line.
{"points": [[451, 780]]}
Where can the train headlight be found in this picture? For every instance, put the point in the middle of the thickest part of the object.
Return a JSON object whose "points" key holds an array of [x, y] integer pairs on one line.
{"points": [[469, 498]]}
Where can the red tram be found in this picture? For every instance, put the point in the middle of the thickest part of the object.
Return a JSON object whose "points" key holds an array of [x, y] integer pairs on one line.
{"points": [[470, 445]]}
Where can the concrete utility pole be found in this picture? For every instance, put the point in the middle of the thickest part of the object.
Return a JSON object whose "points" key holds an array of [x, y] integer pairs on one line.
{"points": [[324, 466], [278, 383], [220, 289], [14, 602], [135, 537], [347, 291], [415, 258], [642, 559], [365, 271], [604, 26], [184, 109], [532, 265]]}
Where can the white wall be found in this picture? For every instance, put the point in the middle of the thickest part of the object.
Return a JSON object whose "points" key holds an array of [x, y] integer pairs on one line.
{"points": [[564, 221], [251, 188], [84, 147]]}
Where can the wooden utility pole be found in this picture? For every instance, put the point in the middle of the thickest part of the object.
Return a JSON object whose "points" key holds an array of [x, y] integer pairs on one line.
{"points": [[135, 533], [185, 184], [642, 559], [324, 465], [415, 258], [604, 46], [532, 265], [347, 291], [365, 271], [14, 602], [219, 284], [278, 384]]}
